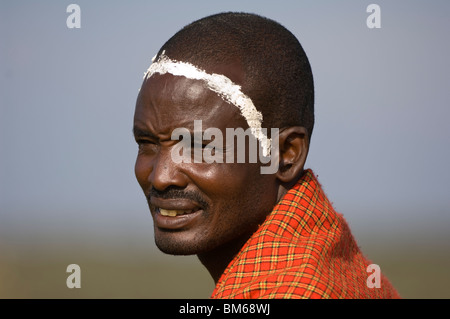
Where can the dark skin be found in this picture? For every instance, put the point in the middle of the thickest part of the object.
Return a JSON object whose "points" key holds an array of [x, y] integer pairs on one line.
{"points": [[222, 203]]}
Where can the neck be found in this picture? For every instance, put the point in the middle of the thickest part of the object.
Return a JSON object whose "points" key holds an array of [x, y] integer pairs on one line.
{"points": [[217, 260]]}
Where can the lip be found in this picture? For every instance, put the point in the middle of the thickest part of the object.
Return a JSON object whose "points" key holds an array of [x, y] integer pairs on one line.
{"points": [[177, 222]]}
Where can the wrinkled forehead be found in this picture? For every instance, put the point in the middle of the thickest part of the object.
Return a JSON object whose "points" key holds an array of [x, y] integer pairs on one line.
{"points": [[181, 101]]}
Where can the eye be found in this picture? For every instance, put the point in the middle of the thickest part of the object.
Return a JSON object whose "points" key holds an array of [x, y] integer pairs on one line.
{"points": [[142, 141], [198, 144], [146, 146]]}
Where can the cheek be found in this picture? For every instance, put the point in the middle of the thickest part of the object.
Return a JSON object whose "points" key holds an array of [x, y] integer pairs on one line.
{"points": [[142, 170], [222, 180], [240, 204], [230, 189]]}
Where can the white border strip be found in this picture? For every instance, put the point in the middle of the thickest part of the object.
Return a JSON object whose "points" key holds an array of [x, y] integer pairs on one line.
{"points": [[220, 84]]}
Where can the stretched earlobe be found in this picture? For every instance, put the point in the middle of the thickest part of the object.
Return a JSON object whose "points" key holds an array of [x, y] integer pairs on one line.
{"points": [[294, 146]]}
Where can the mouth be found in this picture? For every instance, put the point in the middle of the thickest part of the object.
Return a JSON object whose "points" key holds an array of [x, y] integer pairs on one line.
{"points": [[175, 214]]}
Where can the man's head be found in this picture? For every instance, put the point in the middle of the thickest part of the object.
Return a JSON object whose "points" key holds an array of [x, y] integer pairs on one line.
{"points": [[221, 204], [276, 73]]}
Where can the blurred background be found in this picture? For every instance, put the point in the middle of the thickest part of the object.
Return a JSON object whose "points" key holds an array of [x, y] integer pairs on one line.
{"points": [[67, 188]]}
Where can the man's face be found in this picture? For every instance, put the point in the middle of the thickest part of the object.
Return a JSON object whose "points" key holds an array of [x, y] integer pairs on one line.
{"points": [[215, 203]]}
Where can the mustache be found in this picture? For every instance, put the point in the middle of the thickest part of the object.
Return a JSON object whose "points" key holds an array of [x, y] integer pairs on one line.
{"points": [[173, 192]]}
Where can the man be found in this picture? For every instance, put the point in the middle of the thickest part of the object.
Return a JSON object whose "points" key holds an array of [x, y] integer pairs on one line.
{"points": [[260, 233]]}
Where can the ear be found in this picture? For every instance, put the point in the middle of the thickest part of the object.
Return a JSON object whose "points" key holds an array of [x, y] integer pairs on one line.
{"points": [[294, 146]]}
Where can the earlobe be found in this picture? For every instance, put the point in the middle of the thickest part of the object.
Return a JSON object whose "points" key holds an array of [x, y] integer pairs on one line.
{"points": [[294, 145]]}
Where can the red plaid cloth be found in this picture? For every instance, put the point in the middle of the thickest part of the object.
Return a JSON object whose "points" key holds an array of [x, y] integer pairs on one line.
{"points": [[304, 249]]}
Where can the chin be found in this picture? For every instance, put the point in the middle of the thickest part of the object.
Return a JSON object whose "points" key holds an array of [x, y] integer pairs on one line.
{"points": [[175, 243]]}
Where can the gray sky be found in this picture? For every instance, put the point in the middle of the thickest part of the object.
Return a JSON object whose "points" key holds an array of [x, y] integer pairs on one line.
{"points": [[380, 145]]}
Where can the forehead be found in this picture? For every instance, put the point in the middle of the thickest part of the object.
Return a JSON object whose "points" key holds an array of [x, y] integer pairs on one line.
{"points": [[167, 101]]}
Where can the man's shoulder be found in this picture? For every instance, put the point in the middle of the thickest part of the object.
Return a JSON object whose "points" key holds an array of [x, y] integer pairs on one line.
{"points": [[298, 282], [304, 249], [333, 278], [281, 269]]}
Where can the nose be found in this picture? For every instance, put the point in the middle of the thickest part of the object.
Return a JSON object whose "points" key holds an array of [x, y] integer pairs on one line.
{"points": [[166, 172]]}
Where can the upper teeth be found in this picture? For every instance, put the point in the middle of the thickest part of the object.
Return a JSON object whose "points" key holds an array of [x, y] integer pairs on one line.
{"points": [[173, 212]]}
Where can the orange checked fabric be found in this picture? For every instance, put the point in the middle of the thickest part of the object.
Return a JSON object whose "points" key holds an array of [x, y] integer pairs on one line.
{"points": [[304, 249]]}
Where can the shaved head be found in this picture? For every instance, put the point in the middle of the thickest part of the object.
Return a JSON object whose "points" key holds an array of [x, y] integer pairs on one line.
{"points": [[277, 73]]}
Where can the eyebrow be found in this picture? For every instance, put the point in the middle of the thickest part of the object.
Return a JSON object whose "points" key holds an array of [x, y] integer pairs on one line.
{"points": [[138, 132]]}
